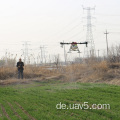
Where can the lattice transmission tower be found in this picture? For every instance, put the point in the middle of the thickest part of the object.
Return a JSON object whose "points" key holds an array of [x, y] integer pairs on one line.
{"points": [[25, 52], [90, 50]]}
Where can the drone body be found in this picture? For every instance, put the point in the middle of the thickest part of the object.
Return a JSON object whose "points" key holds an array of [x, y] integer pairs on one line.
{"points": [[74, 46]]}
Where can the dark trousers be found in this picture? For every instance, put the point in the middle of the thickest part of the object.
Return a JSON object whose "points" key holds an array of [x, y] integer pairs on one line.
{"points": [[20, 74]]}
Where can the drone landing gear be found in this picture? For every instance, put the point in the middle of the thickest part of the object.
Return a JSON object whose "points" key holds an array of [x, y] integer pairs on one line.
{"points": [[74, 50]]}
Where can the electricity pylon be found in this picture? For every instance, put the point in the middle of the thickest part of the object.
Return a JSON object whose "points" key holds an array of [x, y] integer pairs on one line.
{"points": [[25, 51], [90, 51]]}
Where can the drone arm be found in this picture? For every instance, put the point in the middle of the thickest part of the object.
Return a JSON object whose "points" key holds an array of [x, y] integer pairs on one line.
{"points": [[62, 43], [84, 43]]}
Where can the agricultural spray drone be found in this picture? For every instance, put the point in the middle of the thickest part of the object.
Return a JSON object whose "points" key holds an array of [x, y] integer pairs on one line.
{"points": [[74, 46]]}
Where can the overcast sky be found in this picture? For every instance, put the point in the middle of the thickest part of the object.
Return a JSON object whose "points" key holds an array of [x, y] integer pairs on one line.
{"points": [[48, 22]]}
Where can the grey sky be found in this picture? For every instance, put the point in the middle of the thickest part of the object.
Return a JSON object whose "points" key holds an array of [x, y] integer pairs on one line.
{"points": [[47, 22]]}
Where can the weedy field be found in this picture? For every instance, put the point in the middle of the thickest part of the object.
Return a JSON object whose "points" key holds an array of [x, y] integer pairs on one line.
{"points": [[38, 99], [93, 72]]}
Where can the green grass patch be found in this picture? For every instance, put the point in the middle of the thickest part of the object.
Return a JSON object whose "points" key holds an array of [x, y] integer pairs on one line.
{"points": [[39, 99]]}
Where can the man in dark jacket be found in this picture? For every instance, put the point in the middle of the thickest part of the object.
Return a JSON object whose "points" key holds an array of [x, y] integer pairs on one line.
{"points": [[20, 66]]}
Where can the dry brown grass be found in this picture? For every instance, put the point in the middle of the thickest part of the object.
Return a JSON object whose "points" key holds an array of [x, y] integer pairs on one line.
{"points": [[7, 72], [101, 72]]}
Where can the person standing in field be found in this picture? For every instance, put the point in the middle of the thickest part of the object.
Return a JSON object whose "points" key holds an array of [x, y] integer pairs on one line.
{"points": [[20, 66]]}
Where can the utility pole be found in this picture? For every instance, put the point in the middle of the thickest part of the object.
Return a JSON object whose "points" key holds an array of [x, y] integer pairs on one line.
{"points": [[49, 60], [79, 56], [106, 33], [98, 53], [64, 53], [41, 48], [45, 54], [6, 57]]}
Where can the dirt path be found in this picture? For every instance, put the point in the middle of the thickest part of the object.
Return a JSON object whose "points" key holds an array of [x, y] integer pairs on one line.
{"points": [[14, 111], [30, 117], [5, 113]]}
